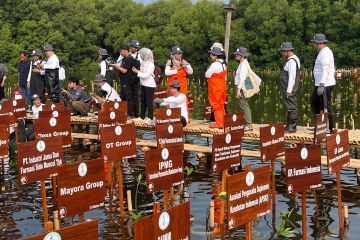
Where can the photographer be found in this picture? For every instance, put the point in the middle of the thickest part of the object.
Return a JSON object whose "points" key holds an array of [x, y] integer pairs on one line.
{"points": [[106, 68], [52, 73], [77, 97], [36, 79]]}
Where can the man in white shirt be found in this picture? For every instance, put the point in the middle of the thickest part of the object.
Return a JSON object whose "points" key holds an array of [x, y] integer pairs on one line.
{"points": [[112, 95], [37, 106], [289, 85], [177, 100], [52, 73], [324, 74], [62, 77]]}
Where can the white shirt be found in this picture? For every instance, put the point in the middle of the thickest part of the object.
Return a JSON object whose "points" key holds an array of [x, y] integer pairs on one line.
{"points": [[324, 69], [52, 62], [138, 56], [112, 95], [103, 68], [170, 72], [291, 68], [119, 61], [241, 73], [216, 67], [36, 111], [62, 74], [146, 74], [178, 102]]}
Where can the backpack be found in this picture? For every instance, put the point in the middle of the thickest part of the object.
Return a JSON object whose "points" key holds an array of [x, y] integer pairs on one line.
{"points": [[158, 77]]}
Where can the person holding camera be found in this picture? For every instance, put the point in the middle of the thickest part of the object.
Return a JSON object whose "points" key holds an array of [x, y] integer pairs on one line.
{"points": [[101, 83], [36, 75], [106, 68], [76, 97], [51, 68]]}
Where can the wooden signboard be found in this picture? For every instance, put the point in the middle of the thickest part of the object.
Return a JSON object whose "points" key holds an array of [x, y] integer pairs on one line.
{"points": [[248, 196], [190, 103], [4, 150], [53, 106], [207, 112], [19, 108], [173, 223], [86, 230], [108, 106], [170, 134], [81, 187], [226, 150], [164, 168], [107, 118], [272, 142], [167, 115], [303, 168], [54, 113], [118, 142], [49, 127], [321, 125], [161, 92], [39, 159], [337, 146], [6, 107], [233, 122]]}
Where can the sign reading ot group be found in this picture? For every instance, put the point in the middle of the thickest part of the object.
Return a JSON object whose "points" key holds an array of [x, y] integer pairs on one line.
{"points": [[108, 118], [164, 168], [272, 142], [87, 230], [49, 127], [234, 122], [118, 142], [248, 196], [303, 168], [39, 159], [81, 187], [321, 123], [171, 224], [226, 150], [167, 115], [337, 146], [169, 134]]}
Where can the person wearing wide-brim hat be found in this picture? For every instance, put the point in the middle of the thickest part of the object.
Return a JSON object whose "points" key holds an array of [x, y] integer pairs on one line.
{"points": [[36, 78], [52, 73], [177, 68], [101, 83], [216, 75], [289, 85], [242, 72], [324, 75], [106, 69]]}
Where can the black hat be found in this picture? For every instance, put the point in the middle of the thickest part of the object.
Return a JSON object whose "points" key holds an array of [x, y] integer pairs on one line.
{"points": [[103, 52], [242, 51], [99, 78], [319, 38], [176, 49], [175, 84], [135, 44], [36, 53], [286, 46], [216, 51]]}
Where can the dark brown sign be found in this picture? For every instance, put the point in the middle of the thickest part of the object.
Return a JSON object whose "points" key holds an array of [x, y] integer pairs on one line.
{"points": [[272, 142], [173, 223], [53, 106], [109, 106], [207, 112], [321, 125], [303, 168], [234, 122], [19, 108], [164, 168], [8, 119], [337, 147], [4, 141], [109, 118], [167, 115], [170, 134], [190, 103], [161, 92], [86, 230], [248, 196], [49, 127], [118, 142], [6, 107], [226, 150], [81, 187], [54, 113], [39, 159]]}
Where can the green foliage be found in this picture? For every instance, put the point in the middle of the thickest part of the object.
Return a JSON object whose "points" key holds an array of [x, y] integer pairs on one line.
{"points": [[135, 216], [283, 230], [188, 171], [222, 196]]}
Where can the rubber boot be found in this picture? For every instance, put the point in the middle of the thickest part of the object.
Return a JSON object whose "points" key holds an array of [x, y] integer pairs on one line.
{"points": [[219, 119]]}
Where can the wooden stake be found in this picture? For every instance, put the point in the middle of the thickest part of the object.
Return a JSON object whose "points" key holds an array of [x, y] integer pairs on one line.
{"points": [[273, 193], [56, 220], [49, 226], [222, 211], [44, 204], [303, 213], [54, 189], [338, 180], [166, 199], [248, 231], [171, 196], [121, 190], [156, 207], [346, 215], [129, 201], [212, 215]]}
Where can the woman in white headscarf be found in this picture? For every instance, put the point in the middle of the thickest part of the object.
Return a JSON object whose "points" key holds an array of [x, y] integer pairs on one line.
{"points": [[146, 75]]}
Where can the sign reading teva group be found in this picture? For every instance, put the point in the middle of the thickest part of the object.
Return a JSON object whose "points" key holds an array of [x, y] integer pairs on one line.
{"points": [[173, 223], [234, 122], [321, 125], [226, 150], [39, 159], [248, 196], [118, 142], [303, 168], [337, 146], [81, 187], [164, 168], [167, 115], [169, 134], [272, 142], [109, 118], [86, 230], [49, 127]]}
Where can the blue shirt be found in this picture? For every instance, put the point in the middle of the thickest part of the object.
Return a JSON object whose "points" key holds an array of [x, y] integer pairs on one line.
{"points": [[23, 68]]}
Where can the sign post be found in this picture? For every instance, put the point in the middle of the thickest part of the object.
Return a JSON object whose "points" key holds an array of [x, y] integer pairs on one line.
{"points": [[167, 115], [234, 122], [321, 125]]}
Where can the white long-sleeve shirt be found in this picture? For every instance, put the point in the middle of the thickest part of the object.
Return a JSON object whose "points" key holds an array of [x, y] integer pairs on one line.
{"points": [[146, 74], [291, 68], [169, 72], [52, 62], [216, 67], [178, 102], [112, 95], [241, 73], [62, 75], [103, 68], [324, 69]]}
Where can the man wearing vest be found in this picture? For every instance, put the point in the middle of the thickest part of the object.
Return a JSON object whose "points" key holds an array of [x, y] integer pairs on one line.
{"points": [[289, 85], [106, 69], [23, 70], [37, 84], [52, 73], [324, 74], [177, 69]]}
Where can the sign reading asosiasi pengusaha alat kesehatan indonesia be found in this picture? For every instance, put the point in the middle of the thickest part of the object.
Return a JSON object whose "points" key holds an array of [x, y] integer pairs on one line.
{"points": [[272, 142], [39, 159], [337, 146], [226, 150], [248, 196], [81, 187], [303, 168]]}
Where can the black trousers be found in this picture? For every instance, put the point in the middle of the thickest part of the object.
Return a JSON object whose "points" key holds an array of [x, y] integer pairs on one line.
{"points": [[131, 92], [52, 84], [146, 100], [2, 92], [319, 103]]}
